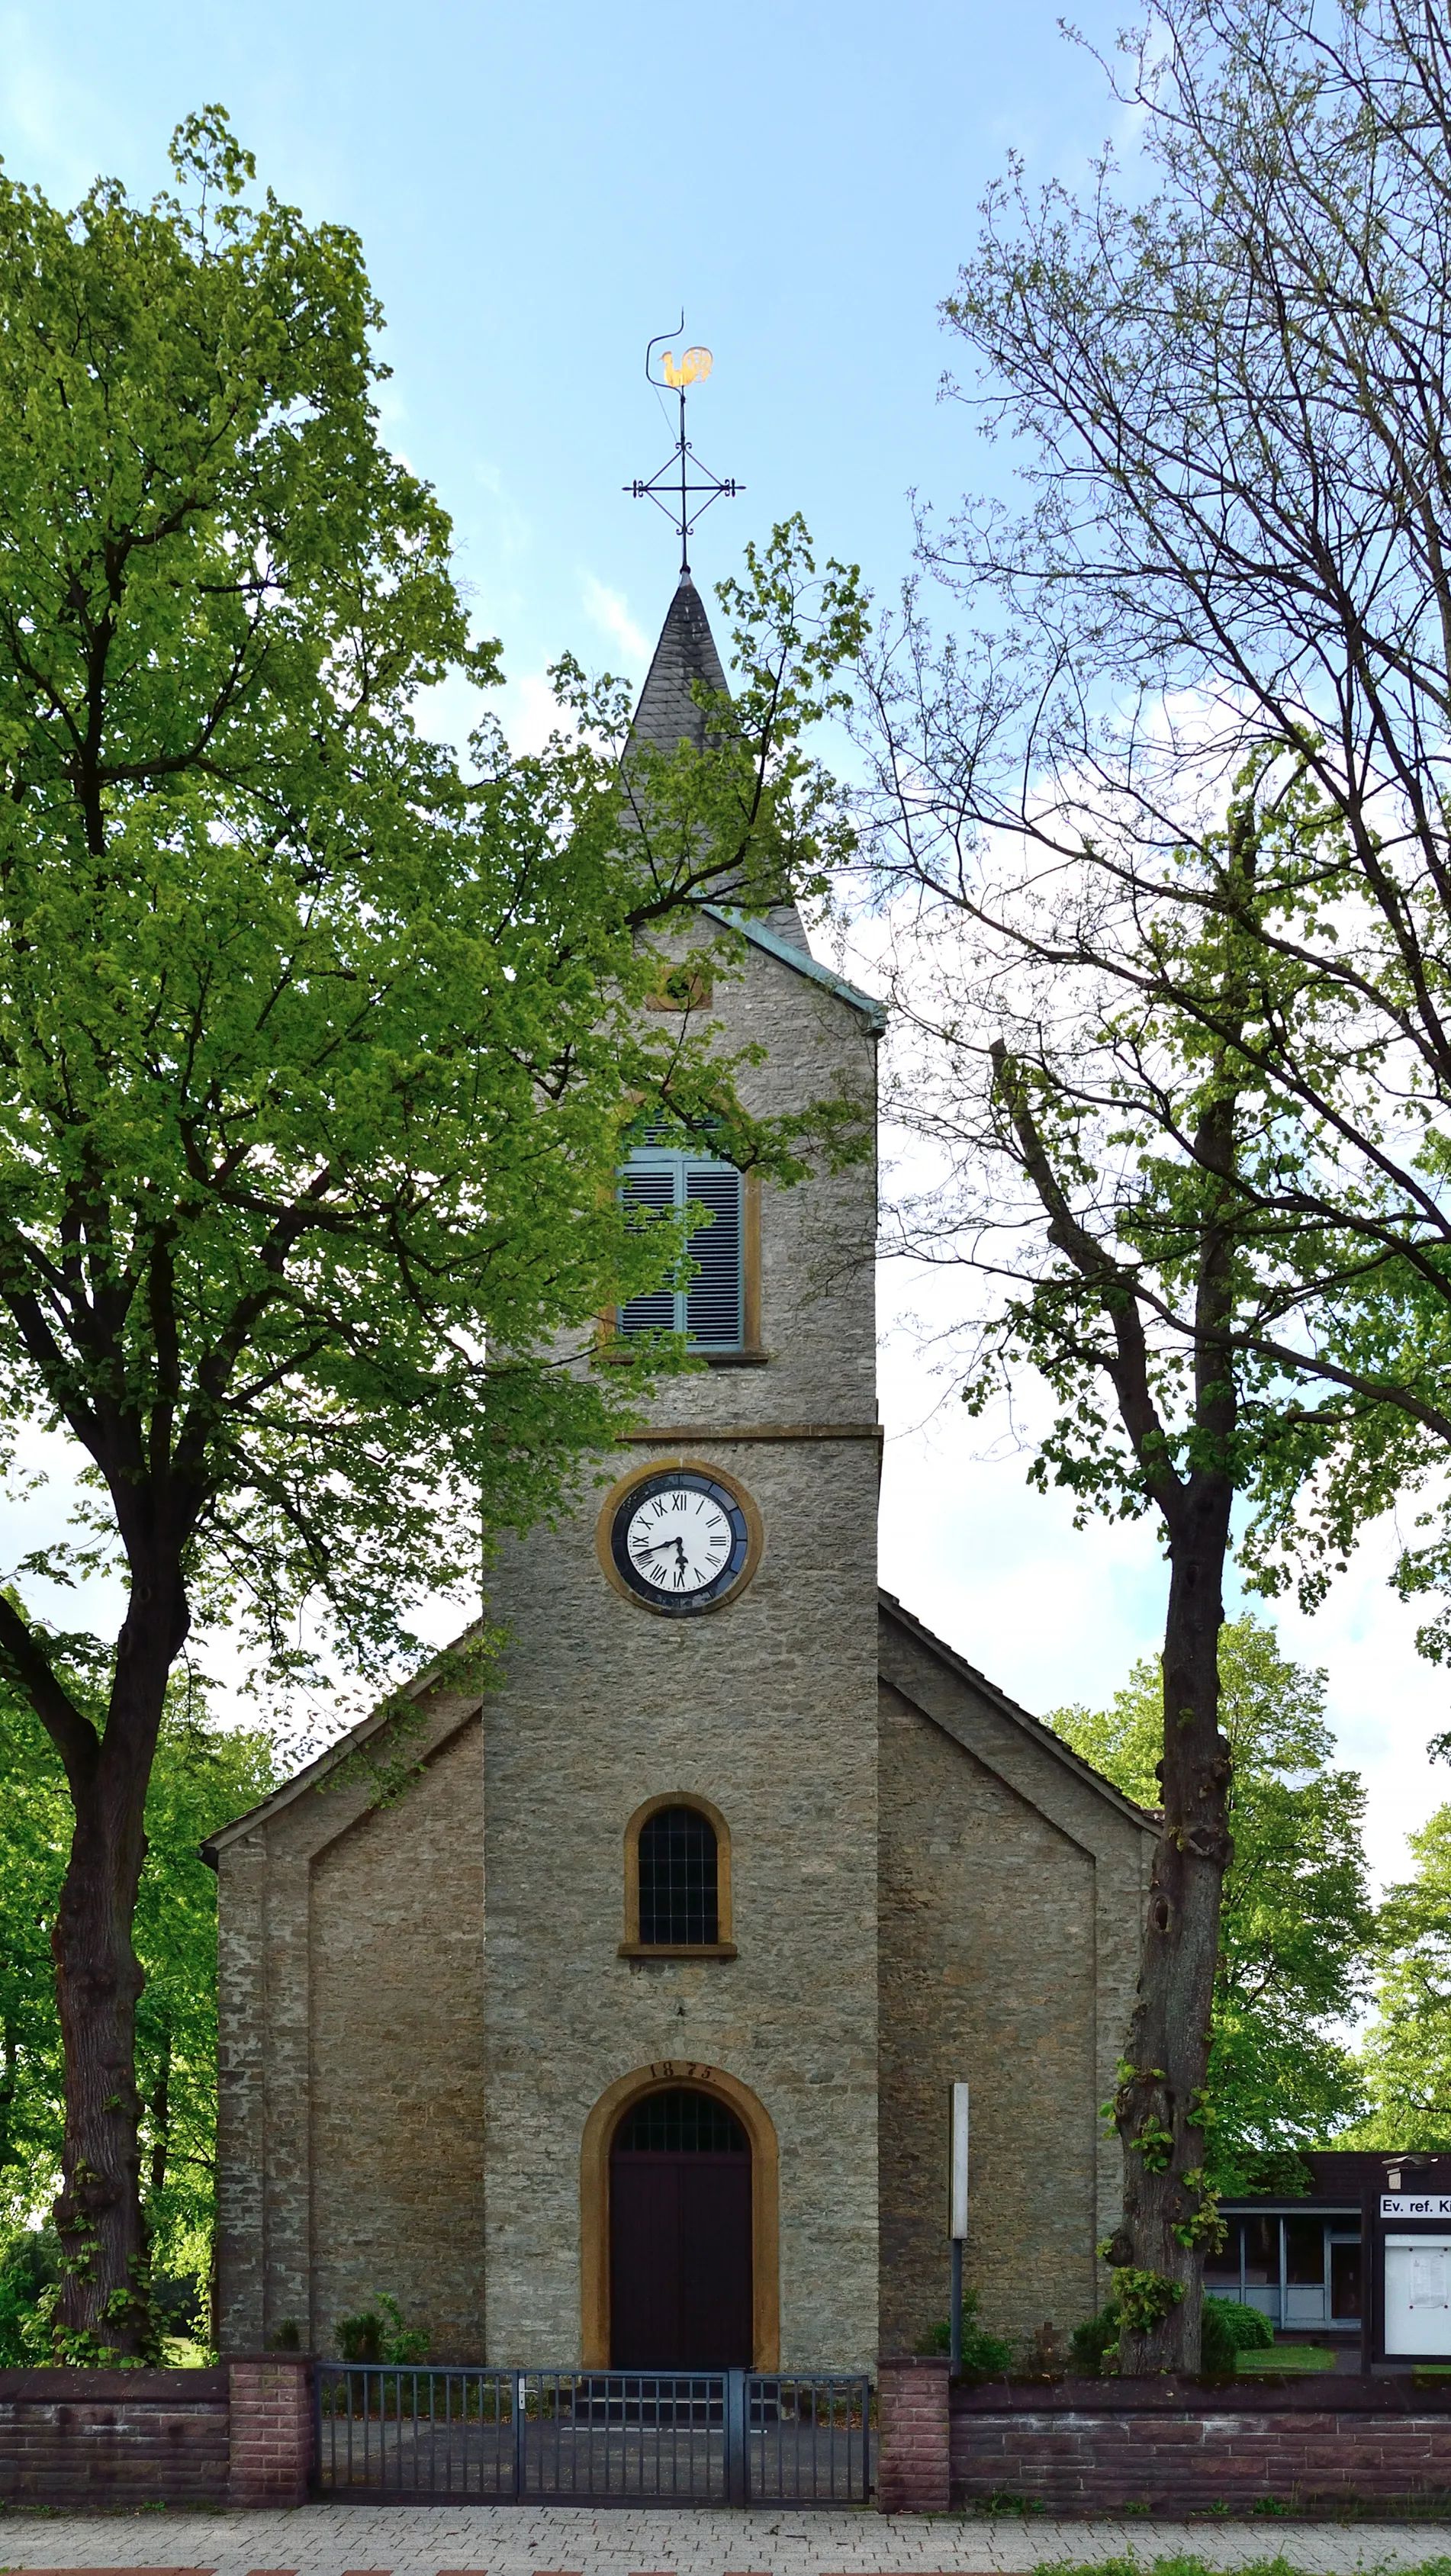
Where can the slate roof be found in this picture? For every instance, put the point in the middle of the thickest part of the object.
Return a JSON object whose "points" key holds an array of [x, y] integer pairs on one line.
{"points": [[667, 714]]}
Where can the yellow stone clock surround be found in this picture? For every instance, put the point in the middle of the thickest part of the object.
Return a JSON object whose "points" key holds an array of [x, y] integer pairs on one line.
{"points": [[619, 1494]]}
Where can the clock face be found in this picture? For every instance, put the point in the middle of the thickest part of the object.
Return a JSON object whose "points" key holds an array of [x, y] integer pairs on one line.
{"points": [[679, 1541]]}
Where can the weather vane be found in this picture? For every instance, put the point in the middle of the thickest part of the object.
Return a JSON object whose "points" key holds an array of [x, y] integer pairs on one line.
{"points": [[671, 489]]}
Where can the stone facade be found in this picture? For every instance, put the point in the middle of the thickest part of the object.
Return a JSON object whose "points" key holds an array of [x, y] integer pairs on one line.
{"points": [[397, 2092], [1011, 1886], [425, 2007]]}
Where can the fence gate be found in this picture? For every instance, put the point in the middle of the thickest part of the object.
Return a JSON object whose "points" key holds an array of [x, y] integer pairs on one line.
{"points": [[593, 2436]]}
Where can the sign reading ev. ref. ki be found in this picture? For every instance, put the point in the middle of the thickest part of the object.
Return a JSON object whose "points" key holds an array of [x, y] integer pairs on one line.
{"points": [[1415, 2204]]}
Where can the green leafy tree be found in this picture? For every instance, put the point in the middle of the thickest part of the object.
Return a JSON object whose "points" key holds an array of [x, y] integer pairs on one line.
{"points": [[1297, 1928], [1406, 2054], [202, 1775], [35, 1826], [317, 1051]]}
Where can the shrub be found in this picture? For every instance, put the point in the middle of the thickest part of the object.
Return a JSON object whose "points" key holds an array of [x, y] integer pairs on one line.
{"points": [[983, 2354], [1092, 2343], [1250, 2329], [379, 2334], [1230, 2328], [29, 2274]]}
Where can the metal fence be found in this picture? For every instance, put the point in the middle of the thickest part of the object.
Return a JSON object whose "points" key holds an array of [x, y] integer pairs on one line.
{"points": [[593, 2436]]}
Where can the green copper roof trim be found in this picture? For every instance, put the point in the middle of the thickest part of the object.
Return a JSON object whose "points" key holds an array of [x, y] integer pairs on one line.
{"points": [[801, 962]]}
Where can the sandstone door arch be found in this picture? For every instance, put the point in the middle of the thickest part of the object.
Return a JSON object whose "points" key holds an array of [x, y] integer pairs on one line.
{"points": [[680, 2243]]}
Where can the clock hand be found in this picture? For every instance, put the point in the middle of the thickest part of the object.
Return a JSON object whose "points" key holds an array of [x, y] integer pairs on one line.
{"points": [[659, 1547]]}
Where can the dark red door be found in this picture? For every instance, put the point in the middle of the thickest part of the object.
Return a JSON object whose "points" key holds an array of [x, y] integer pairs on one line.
{"points": [[680, 2238]]}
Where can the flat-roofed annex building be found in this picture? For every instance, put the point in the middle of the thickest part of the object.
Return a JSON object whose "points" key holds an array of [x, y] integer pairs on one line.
{"points": [[625, 2034]]}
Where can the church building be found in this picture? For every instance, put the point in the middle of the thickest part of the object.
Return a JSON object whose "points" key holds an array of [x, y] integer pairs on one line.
{"points": [[625, 2034]]}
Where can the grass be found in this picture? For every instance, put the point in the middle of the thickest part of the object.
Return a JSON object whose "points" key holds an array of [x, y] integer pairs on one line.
{"points": [[1289, 2356], [1186, 2566]]}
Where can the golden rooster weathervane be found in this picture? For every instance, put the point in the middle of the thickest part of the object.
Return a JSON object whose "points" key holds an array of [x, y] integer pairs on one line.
{"points": [[671, 489]]}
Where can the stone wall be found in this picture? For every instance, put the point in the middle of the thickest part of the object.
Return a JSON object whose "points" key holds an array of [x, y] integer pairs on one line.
{"points": [[987, 1974], [349, 1953], [1100, 2447], [397, 2046], [767, 1710], [1011, 1893]]}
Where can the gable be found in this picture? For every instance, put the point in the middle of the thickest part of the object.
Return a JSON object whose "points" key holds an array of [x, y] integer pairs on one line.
{"points": [[949, 1692], [443, 1712], [774, 938]]}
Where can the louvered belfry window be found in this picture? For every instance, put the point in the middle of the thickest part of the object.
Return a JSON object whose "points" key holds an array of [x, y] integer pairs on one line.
{"points": [[708, 1305], [679, 1877]]}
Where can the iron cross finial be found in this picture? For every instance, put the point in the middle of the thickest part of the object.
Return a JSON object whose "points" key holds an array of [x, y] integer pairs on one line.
{"points": [[671, 488]]}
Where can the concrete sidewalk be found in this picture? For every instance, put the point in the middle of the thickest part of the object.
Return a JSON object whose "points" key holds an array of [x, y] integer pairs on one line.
{"points": [[562, 2540]]}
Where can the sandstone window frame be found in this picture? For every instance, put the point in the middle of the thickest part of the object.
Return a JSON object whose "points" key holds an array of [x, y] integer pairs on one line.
{"points": [[724, 1946], [751, 1352]]}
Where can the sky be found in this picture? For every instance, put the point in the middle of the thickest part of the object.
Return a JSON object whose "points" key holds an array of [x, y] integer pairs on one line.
{"points": [[539, 189]]}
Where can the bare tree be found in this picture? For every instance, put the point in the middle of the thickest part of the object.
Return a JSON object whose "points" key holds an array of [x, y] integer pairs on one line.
{"points": [[1166, 830]]}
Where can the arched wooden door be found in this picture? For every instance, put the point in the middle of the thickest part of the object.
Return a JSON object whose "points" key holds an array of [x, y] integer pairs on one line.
{"points": [[680, 2236]]}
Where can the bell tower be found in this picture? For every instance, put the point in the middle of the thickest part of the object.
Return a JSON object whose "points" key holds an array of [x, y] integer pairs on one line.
{"points": [[680, 1786]]}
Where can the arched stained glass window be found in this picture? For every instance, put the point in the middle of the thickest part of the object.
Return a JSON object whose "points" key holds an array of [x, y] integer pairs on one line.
{"points": [[679, 1887]]}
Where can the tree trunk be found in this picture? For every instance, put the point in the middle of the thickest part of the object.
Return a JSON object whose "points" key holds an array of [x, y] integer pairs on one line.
{"points": [[105, 2303], [1168, 2213]]}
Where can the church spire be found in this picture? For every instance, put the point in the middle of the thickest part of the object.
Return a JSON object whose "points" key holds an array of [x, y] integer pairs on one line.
{"points": [[667, 714]]}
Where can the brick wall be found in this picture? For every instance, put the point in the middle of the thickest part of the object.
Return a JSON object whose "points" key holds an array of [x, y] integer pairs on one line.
{"points": [[271, 2430], [113, 2437], [1094, 2447], [242, 2434], [912, 2436]]}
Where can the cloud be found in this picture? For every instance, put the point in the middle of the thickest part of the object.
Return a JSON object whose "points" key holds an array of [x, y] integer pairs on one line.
{"points": [[609, 611], [528, 712]]}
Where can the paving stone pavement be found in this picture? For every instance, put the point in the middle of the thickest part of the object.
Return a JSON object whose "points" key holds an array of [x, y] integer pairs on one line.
{"points": [[561, 2540]]}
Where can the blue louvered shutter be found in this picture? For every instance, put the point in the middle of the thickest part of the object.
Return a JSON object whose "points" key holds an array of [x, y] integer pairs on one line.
{"points": [[713, 1299], [710, 1309], [650, 1187]]}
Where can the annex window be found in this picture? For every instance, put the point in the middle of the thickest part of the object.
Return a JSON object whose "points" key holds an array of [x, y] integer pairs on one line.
{"points": [[1299, 2268], [677, 1880], [707, 1304]]}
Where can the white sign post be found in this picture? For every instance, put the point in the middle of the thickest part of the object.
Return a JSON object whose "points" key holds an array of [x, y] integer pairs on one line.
{"points": [[956, 2212]]}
